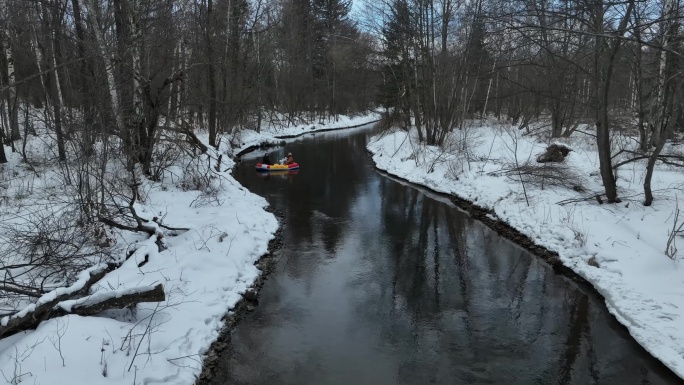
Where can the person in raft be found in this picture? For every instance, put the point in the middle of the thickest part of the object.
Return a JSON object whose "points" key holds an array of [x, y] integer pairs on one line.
{"points": [[266, 160], [290, 159]]}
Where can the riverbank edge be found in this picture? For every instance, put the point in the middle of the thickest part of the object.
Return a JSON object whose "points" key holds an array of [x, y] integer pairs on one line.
{"points": [[265, 263], [283, 138], [246, 304], [489, 218], [313, 132]]}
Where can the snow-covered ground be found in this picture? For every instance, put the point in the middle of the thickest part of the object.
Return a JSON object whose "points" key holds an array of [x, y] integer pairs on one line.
{"points": [[204, 271], [274, 134], [619, 248]]}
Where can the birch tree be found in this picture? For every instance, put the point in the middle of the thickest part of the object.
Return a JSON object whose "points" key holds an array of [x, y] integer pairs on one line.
{"points": [[51, 24], [108, 66], [12, 95]]}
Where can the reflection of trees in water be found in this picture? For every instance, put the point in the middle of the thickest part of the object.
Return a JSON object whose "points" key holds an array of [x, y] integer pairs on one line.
{"points": [[316, 203], [327, 183], [490, 304], [449, 299]]}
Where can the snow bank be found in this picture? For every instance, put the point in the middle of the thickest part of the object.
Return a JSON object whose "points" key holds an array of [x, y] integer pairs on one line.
{"points": [[642, 287], [204, 272], [273, 134]]}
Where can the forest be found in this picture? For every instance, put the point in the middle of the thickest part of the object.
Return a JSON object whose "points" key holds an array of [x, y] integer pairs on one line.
{"points": [[143, 71], [101, 99]]}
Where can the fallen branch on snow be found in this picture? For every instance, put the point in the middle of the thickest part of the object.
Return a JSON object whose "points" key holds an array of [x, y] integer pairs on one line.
{"points": [[662, 158], [109, 222], [78, 300], [34, 314], [61, 301]]}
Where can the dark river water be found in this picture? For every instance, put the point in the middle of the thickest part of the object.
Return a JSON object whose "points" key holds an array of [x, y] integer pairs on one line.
{"points": [[379, 283]]}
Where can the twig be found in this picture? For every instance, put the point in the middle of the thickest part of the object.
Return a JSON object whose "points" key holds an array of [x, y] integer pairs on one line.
{"points": [[661, 158], [670, 247]]}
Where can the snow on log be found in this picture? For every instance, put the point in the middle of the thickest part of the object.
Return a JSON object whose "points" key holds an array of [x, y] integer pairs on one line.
{"points": [[34, 314], [74, 299], [116, 299]]}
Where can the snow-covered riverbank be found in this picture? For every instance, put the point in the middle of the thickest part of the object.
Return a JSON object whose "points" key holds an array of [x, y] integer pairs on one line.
{"points": [[205, 271], [275, 134], [619, 248]]}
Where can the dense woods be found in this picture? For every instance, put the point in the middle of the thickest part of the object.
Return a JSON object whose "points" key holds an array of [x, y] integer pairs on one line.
{"points": [[135, 69]]}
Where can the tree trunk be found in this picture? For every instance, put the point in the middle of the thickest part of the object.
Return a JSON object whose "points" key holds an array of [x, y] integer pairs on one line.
{"points": [[603, 67], [144, 111], [212, 74], [109, 69], [3, 156], [78, 302], [669, 93], [12, 100], [86, 68], [100, 302], [52, 76]]}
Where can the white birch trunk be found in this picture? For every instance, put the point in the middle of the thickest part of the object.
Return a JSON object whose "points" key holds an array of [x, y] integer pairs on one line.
{"points": [[10, 67], [659, 107], [174, 68], [11, 79], [489, 89], [39, 60], [182, 58], [56, 71], [4, 123]]}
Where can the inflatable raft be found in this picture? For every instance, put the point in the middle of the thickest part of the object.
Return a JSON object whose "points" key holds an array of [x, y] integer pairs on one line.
{"points": [[276, 167]]}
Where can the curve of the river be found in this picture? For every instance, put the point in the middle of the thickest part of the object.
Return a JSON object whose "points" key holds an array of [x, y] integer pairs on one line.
{"points": [[380, 283]]}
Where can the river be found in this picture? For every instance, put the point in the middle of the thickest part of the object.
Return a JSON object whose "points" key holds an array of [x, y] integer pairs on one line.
{"points": [[378, 282]]}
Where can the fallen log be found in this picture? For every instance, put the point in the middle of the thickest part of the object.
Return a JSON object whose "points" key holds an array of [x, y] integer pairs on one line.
{"points": [[89, 305], [117, 299], [76, 298], [32, 315]]}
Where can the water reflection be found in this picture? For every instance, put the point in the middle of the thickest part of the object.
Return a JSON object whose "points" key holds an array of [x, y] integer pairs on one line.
{"points": [[380, 284], [269, 174]]}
